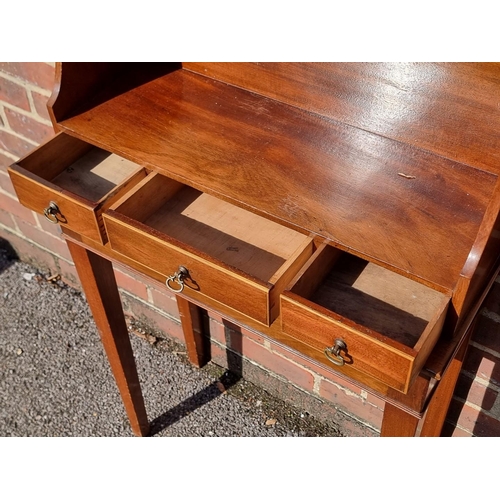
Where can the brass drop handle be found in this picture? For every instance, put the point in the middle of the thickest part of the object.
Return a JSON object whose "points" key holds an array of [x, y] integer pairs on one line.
{"points": [[51, 212], [334, 353], [178, 278]]}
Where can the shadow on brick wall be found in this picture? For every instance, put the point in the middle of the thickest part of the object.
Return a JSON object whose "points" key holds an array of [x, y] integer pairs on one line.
{"points": [[482, 420], [475, 407]]}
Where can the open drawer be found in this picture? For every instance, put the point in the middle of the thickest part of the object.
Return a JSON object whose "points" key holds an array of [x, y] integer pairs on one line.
{"points": [[207, 247], [71, 182], [353, 312]]}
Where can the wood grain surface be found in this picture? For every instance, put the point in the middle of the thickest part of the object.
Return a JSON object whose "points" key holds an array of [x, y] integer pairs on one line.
{"points": [[395, 163], [412, 402], [400, 206], [99, 284], [95, 174], [82, 180], [448, 108]]}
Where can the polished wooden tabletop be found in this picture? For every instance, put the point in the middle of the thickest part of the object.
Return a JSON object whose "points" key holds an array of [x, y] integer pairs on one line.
{"points": [[378, 158], [452, 109]]}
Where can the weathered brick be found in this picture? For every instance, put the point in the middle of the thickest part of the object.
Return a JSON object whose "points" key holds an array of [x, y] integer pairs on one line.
{"points": [[215, 316], [40, 102], [54, 244], [14, 207], [165, 301], [451, 430], [487, 333], [28, 127], [218, 354], [14, 94], [226, 323], [217, 332], [14, 145], [351, 403], [148, 281], [142, 278], [5, 162], [298, 398], [37, 73], [282, 366], [474, 421], [6, 184], [6, 219], [478, 394], [482, 364], [48, 227], [235, 339], [375, 400], [254, 336], [348, 386], [152, 318], [131, 284], [223, 330], [324, 371]]}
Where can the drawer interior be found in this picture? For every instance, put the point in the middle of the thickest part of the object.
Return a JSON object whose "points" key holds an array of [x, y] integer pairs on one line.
{"points": [[80, 168], [95, 174], [225, 232], [365, 294]]}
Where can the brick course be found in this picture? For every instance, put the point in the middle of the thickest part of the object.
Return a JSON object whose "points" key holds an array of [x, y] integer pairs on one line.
{"points": [[13, 93], [14, 145], [483, 364], [487, 332], [31, 128], [40, 103], [131, 285], [478, 393], [6, 220], [473, 420], [5, 161], [5, 184], [10, 204], [39, 74], [354, 404], [24, 123], [163, 300]]}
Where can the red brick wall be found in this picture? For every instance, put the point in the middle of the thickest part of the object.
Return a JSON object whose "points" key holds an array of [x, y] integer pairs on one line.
{"points": [[24, 123]]}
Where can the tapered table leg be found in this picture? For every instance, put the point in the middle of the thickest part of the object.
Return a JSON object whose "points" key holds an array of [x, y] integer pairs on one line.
{"points": [[197, 348], [99, 284]]}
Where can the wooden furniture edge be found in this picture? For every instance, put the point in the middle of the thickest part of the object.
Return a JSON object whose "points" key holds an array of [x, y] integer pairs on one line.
{"points": [[279, 339]]}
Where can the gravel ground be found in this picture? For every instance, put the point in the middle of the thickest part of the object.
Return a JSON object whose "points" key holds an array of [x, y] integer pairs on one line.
{"points": [[55, 379]]}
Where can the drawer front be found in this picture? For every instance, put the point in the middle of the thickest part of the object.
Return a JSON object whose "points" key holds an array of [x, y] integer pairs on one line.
{"points": [[364, 353], [206, 278], [75, 213], [75, 181]]}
